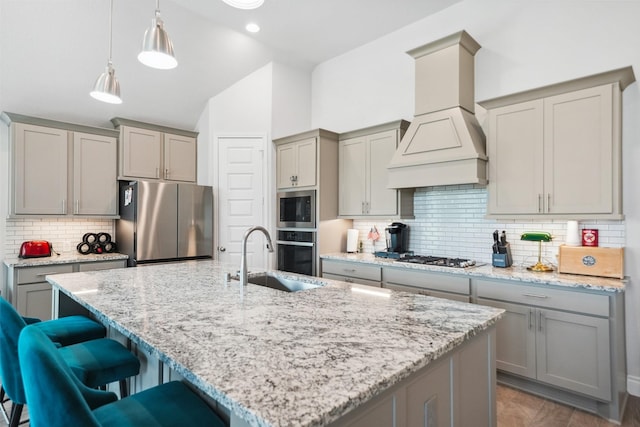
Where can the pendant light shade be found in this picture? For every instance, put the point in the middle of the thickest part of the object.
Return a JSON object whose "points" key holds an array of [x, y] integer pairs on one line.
{"points": [[157, 49], [107, 87], [244, 4]]}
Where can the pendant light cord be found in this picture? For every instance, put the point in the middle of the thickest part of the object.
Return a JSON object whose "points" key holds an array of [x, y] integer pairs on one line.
{"points": [[110, 31]]}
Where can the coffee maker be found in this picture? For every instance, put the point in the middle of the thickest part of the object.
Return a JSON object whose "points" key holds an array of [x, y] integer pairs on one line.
{"points": [[397, 235]]}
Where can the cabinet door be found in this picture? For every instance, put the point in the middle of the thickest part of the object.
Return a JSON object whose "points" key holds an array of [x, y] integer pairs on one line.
{"points": [[352, 176], [515, 159], [179, 158], [382, 200], [286, 165], [578, 151], [141, 153], [34, 300], [95, 185], [40, 165], [306, 163], [573, 352], [516, 338]]}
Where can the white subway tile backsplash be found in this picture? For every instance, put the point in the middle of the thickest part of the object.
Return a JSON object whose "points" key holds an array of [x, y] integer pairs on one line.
{"points": [[63, 233], [450, 221]]}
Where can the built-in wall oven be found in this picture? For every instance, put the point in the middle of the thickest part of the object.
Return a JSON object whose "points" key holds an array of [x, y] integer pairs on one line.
{"points": [[297, 209], [297, 251]]}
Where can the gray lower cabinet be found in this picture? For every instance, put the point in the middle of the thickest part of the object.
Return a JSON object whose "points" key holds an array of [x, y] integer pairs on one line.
{"points": [[352, 272], [427, 283], [569, 342], [31, 294]]}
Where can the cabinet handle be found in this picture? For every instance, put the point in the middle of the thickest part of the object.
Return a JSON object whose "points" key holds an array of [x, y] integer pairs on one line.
{"points": [[44, 274], [77, 208], [540, 318], [348, 280], [539, 203], [368, 207], [548, 202], [64, 206], [530, 319], [351, 270], [166, 174], [157, 172], [362, 210], [535, 296]]}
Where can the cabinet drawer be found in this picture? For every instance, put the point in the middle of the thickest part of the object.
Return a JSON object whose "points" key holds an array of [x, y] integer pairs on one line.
{"points": [[352, 269], [428, 292], [347, 279], [427, 280], [37, 274], [102, 265], [576, 301]]}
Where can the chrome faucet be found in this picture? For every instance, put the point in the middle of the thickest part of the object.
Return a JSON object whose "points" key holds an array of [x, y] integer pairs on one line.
{"points": [[243, 255]]}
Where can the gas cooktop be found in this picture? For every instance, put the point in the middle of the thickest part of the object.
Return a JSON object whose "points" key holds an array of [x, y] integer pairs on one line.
{"points": [[439, 261]]}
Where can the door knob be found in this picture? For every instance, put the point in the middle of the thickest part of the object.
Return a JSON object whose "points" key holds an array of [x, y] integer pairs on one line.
{"points": [[222, 248]]}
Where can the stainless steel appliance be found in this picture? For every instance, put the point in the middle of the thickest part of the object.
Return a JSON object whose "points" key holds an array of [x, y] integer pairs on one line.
{"points": [[164, 221], [297, 209], [439, 261], [297, 251]]}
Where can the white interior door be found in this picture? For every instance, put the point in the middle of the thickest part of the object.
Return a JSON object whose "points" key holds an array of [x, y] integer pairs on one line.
{"points": [[241, 195]]}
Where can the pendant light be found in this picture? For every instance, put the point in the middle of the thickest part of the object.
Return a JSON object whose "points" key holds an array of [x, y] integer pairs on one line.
{"points": [[244, 4], [157, 49], [107, 87]]}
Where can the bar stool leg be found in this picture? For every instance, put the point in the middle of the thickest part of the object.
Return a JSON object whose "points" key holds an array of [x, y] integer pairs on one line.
{"points": [[124, 390], [16, 413]]}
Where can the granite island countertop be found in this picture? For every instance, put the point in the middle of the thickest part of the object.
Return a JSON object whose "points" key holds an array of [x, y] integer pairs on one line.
{"points": [[275, 358], [516, 273]]}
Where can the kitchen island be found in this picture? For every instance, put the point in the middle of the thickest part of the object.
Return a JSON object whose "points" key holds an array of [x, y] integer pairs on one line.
{"points": [[335, 354]]}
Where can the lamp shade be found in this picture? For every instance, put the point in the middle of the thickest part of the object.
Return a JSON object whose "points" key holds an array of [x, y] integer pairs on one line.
{"points": [[244, 4], [107, 87], [157, 49]]}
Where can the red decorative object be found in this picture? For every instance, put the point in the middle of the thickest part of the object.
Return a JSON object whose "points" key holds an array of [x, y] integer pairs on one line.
{"points": [[589, 237]]}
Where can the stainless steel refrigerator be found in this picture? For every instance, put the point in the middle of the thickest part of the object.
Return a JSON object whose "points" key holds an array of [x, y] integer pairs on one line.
{"points": [[164, 221]]}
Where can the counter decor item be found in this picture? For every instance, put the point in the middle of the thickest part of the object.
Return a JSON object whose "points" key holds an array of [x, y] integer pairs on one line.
{"points": [[538, 236], [96, 243], [352, 240], [573, 234], [589, 237], [501, 250], [591, 261]]}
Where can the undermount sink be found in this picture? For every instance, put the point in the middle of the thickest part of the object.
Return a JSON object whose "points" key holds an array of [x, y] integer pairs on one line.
{"points": [[281, 283]]}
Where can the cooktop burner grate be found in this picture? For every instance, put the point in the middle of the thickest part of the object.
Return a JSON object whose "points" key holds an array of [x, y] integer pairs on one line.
{"points": [[439, 261]]}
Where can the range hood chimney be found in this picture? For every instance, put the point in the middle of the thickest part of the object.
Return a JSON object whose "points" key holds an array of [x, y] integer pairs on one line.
{"points": [[444, 145]]}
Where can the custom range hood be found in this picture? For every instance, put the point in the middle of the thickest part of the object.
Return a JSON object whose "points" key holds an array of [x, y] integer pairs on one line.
{"points": [[444, 145]]}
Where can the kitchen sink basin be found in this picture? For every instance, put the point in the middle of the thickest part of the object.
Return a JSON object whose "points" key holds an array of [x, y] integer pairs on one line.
{"points": [[281, 283]]}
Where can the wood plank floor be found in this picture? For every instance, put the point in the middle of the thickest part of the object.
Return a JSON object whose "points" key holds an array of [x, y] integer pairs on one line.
{"points": [[519, 409]]}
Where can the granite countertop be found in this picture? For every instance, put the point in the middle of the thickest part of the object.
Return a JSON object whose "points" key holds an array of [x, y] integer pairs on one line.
{"points": [[488, 271], [63, 258], [275, 358]]}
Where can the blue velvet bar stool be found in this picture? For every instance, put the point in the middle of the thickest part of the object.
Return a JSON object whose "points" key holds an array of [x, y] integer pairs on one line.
{"points": [[171, 404], [98, 362]]}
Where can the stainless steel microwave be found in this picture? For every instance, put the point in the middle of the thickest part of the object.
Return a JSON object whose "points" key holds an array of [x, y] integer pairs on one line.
{"points": [[297, 209]]}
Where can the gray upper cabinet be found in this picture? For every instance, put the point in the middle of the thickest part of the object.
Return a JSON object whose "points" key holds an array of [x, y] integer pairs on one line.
{"points": [[296, 164], [556, 151], [61, 169], [153, 152], [363, 158]]}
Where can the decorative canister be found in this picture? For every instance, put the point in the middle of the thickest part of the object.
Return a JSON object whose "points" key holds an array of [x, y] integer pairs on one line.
{"points": [[589, 237]]}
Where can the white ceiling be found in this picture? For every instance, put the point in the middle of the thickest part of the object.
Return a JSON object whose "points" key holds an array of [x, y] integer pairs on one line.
{"points": [[53, 50], [317, 30]]}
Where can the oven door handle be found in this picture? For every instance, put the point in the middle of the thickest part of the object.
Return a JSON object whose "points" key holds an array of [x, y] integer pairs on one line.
{"points": [[285, 242]]}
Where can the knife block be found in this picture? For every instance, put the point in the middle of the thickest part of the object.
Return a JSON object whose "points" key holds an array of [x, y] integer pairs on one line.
{"points": [[503, 260]]}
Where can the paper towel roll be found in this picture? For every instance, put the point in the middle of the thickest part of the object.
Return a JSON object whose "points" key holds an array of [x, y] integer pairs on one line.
{"points": [[352, 240], [573, 234]]}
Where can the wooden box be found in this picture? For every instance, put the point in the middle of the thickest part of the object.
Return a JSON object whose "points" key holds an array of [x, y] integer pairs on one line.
{"points": [[591, 261]]}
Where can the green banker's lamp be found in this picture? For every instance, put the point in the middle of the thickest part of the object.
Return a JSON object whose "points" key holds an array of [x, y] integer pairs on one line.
{"points": [[538, 236]]}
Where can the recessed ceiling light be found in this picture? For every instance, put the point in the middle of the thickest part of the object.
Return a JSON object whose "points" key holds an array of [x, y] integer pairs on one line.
{"points": [[244, 4], [252, 27]]}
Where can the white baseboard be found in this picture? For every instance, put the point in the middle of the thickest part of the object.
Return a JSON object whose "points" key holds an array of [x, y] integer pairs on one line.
{"points": [[633, 385]]}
